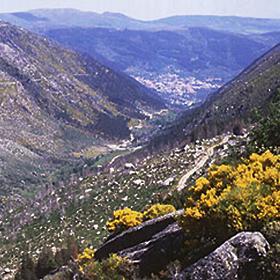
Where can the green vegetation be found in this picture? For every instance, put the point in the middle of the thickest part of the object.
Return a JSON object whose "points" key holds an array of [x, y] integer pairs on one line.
{"points": [[230, 199], [47, 261], [266, 133], [112, 268]]}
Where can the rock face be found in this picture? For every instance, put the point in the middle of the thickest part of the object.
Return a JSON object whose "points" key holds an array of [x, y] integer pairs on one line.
{"points": [[158, 239], [231, 260], [155, 243]]}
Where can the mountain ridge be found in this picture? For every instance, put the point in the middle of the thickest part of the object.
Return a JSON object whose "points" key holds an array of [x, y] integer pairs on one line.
{"points": [[118, 20], [55, 102], [230, 108]]}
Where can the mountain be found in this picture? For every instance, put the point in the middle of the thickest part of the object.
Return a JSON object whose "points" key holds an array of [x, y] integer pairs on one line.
{"points": [[197, 50], [184, 58], [55, 102], [45, 19], [232, 107], [81, 209], [234, 24], [183, 66]]}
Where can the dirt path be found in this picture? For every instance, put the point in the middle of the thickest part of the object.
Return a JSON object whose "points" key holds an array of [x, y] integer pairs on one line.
{"points": [[202, 161]]}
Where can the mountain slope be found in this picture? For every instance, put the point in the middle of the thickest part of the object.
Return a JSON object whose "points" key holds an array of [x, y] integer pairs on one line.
{"points": [[186, 52], [55, 102], [184, 58], [183, 66], [230, 108]]}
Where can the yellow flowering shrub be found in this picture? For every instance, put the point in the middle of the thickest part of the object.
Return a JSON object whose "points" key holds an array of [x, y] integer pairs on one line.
{"points": [[235, 198], [158, 210], [124, 219], [85, 258], [269, 206]]}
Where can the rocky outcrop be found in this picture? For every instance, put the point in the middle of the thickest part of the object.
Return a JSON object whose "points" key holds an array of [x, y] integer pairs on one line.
{"points": [[156, 253], [146, 244], [230, 261], [155, 243]]}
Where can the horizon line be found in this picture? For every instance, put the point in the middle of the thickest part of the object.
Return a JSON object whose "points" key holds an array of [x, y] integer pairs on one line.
{"points": [[139, 19]]}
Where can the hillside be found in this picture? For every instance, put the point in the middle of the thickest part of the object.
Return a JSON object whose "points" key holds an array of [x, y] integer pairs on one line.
{"points": [[230, 108], [184, 66], [55, 102], [82, 207], [184, 58]]}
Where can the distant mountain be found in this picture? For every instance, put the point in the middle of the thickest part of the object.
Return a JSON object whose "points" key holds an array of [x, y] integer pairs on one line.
{"points": [[55, 102], [52, 18], [199, 58], [226, 23], [232, 107], [183, 57], [197, 50]]}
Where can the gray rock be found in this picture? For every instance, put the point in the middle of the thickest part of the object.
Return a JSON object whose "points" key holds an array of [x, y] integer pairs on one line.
{"points": [[146, 243], [64, 273], [231, 260], [156, 253]]}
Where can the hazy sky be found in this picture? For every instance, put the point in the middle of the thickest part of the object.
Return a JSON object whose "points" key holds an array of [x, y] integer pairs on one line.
{"points": [[150, 9]]}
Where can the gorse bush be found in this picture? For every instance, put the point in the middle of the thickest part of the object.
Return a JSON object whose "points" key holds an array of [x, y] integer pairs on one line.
{"points": [[85, 258], [234, 198], [126, 218], [114, 267], [158, 210]]}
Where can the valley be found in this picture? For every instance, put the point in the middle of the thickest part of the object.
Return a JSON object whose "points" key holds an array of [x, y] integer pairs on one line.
{"points": [[184, 66], [55, 108], [183, 58], [134, 149], [178, 91]]}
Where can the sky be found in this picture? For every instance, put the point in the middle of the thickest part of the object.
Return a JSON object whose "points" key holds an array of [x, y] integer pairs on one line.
{"points": [[153, 9]]}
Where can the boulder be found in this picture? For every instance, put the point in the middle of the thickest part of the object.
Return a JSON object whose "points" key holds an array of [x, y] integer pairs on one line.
{"points": [[158, 242], [231, 261], [146, 244], [156, 253]]}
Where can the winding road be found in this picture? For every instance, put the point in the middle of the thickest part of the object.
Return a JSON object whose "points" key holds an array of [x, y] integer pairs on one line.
{"points": [[209, 152]]}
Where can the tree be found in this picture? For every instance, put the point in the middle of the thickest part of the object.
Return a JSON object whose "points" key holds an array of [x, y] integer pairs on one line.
{"points": [[267, 130]]}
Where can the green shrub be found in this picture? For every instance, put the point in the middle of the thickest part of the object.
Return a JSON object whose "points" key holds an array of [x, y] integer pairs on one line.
{"points": [[113, 268], [27, 269], [231, 199], [266, 133], [269, 267], [46, 263]]}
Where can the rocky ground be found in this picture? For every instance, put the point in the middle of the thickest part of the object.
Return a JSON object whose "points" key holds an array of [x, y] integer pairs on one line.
{"points": [[83, 207]]}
